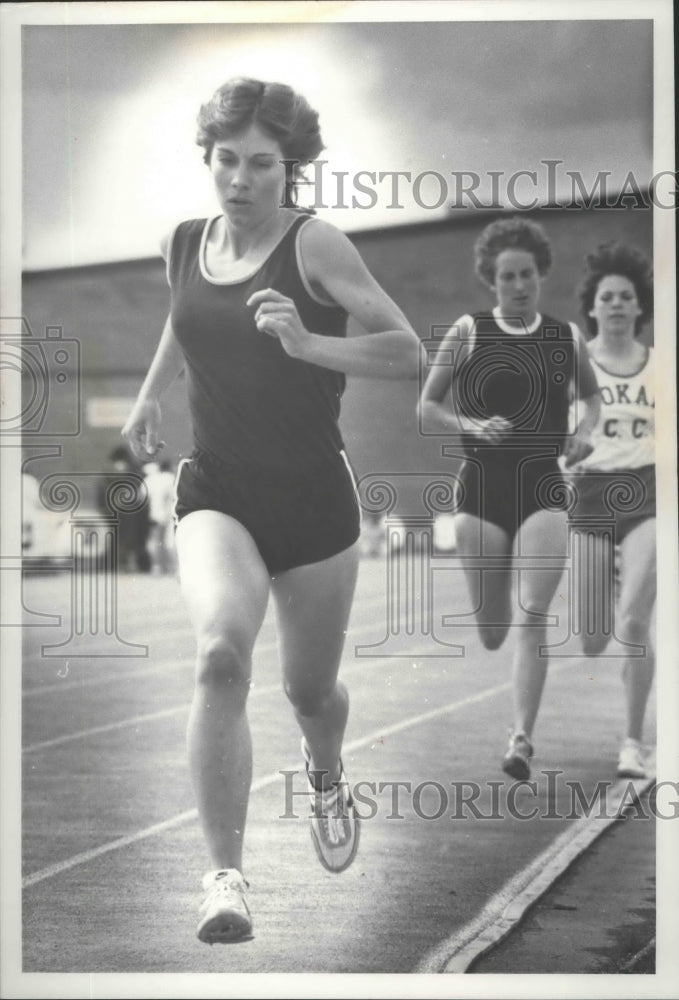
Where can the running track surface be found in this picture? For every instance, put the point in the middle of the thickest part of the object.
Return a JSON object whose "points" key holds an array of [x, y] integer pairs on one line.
{"points": [[112, 850]]}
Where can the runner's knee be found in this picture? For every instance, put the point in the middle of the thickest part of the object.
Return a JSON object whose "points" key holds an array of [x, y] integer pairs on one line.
{"points": [[632, 625], [492, 636], [223, 660], [595, 643], [309, 697], [532, 607]]}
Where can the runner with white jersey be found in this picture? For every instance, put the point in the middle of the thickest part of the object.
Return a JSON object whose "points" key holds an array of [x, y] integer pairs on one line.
{"points": [[616, 298]]}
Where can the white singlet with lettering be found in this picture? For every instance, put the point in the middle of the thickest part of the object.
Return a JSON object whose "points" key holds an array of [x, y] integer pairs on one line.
{"points": [[624, 437]]}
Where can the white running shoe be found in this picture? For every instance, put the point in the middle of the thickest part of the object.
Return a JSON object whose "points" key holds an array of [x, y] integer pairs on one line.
{"points": [[335, 827], [631, 762], [224, 913], [519, 752]]}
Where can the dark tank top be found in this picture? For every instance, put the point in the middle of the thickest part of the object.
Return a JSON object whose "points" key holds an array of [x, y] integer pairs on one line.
{"points": [[250, 402], [525, 378]]}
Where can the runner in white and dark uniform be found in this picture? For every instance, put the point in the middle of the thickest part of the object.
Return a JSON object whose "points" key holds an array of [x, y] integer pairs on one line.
{"points": [[616, 297], [260, 298], [500, 383]]}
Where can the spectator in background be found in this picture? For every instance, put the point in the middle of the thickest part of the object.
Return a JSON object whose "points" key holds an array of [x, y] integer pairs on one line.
{"points": [[30, 506], [373, 536], [133, 525], [160, 489]]}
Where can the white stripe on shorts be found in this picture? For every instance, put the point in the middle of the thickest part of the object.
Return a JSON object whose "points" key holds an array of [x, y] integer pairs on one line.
{"points": [[174, 490], [354, 483]]}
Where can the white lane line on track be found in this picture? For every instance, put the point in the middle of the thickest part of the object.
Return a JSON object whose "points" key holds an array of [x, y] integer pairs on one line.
{"points": [[631, 963], [505, 909], [113, 845], [109, 727], [164, 666], [165, 713]]}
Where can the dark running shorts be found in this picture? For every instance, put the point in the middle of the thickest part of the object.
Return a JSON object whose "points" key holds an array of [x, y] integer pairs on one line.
{"points": [[623, 499], [506, 487], [294, 520]]}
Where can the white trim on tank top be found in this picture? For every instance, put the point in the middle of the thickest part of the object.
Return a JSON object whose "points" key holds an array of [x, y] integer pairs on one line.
{"points": [[513, 330], [640, 369], [246, 277], [170, 244]]}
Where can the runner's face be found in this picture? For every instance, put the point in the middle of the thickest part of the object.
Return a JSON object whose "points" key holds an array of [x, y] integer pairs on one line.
{"points": [[248, 175], [616, 306], [517, 284]]}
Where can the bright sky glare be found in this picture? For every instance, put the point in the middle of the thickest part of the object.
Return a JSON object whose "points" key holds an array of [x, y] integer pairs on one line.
{"points": [[109, 117]]}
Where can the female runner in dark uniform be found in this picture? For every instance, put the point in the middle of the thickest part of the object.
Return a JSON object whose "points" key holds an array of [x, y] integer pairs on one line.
{"points": [[507, 396], [260, 298], [616, 299]]}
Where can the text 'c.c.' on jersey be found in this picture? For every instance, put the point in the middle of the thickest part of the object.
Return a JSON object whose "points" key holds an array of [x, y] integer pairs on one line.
{"points": [[624, 437]]}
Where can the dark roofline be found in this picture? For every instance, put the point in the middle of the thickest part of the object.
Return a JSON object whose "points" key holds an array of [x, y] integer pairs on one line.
{"points": [[384, 232], [92, 268], [458, 218], [463, 218]]}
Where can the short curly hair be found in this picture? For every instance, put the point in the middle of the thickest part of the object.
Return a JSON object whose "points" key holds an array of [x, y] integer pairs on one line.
{"points": [[623, 260], [511, 234], [278, 110]]}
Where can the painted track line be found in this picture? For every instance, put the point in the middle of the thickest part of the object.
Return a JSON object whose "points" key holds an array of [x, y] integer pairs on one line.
{"points": [[506, 908], [109, 727], [186, 817], [165, 713], [88, 683], [161, 667], [631, 964]]}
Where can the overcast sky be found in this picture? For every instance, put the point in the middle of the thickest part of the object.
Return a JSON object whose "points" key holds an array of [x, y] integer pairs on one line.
{"points": [[109, 112]]}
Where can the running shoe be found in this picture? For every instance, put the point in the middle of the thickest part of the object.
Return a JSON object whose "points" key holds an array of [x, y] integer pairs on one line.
{"points": [[519, 752], [335, 827], [631, 763], [224, 914]]}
